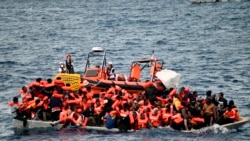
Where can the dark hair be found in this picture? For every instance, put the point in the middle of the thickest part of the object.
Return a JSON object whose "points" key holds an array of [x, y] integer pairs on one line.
{"points": [[15, 99], [38, 79], [209, 93], [58, 78], [49, 80], [221, 93], [231, 103]]}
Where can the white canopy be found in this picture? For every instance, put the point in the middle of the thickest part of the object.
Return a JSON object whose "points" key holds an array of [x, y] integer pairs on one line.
{"points": [[169, 78]]}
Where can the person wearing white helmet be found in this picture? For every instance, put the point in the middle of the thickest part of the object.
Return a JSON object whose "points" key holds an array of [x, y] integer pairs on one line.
{"points": [[111, 71], [62, 68]]}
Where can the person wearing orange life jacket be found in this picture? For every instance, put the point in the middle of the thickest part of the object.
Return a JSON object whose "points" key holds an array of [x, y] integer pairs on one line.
{"points": [[15, 113], [46, 109], [64, 115], [36, 87], [98, 107], [68, 91], [134, 123], [89, 113], [154, 90], [177, 122], [79, 119], [36, 109], [125, 119], [234, 108], [59, 82], [14, 107], [48, 88], [90, 93], [167, 113], [154, 117], [25, 94], [197, 122], [143, 121], [229, 115], [76, 119]]}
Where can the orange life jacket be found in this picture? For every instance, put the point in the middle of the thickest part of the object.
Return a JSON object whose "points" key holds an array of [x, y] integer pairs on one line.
{"points": [[230, 114], [237, 115], [177, 118], [195, 120], [59, 83], [67, 88], [98, 109], [172, 93], [142, 123]]}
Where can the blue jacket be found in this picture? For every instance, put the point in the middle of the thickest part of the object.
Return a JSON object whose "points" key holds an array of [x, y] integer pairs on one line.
{"points": [[110, 121]]}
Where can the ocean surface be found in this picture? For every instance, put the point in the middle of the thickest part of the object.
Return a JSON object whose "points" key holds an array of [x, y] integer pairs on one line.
{"points": [[208, 44]]}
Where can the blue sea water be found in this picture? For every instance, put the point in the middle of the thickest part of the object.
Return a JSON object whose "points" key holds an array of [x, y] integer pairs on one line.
{"points": [[208, 44]]}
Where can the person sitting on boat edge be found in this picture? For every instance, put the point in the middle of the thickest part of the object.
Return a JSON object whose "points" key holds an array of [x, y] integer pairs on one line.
{"points": [[69, 64], [111, 71], [15, 111], [110, 119], [230, 115]]}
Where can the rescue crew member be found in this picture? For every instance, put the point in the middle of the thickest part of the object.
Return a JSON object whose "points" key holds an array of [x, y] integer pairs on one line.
{"points": [[111, 71], [69, 64], [62, 68]]}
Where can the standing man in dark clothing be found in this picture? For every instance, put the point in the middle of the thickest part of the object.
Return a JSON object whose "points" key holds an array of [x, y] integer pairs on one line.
{"points": [[69, 64], [222, 106]]}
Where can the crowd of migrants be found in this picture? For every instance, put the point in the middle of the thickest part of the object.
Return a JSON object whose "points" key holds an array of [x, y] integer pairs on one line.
{"points": [[114, 107]]}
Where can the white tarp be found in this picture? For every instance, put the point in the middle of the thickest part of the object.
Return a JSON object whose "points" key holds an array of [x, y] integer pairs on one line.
{"points": [[169, 78]]}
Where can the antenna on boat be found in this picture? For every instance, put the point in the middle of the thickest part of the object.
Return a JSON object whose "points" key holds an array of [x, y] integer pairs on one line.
{"points": [[153, 56]]}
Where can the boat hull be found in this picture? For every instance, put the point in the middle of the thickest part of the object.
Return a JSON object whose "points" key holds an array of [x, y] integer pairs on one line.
{"points": [[234, 125], [129, 86], [36, 124]]}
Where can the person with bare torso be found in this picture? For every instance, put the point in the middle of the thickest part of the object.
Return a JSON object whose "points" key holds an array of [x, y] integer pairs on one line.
{"points": [[209, 112]]}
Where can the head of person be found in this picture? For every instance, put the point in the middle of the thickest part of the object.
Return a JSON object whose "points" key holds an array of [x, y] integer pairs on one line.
{"points": [[220, 95], [209, 93], [110, 64], [24, 88], [231, 103], [15, 99], [68, 56]]}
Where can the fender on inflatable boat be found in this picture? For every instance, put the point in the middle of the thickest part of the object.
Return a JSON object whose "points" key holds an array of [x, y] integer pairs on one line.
{"points": [[169, 78]]}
